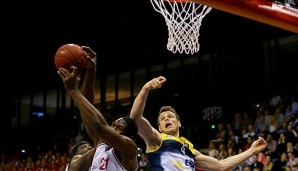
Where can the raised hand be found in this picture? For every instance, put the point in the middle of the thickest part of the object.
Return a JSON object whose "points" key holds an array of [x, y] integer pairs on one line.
{"points": [[258, 145], [70, 79], [155, 83], [91, 57]]}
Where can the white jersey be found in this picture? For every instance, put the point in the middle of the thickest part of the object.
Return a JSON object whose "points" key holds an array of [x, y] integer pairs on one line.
{"points": [[105, 159], [66, 169]]}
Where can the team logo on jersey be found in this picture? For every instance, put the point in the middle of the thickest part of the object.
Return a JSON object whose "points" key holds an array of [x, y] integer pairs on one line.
{"points": [[185, 145], [190, 163], [180, 167]]}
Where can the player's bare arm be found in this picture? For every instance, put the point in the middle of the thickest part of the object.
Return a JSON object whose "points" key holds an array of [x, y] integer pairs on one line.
{"points": [[150, 135], [87, 88], [82, 162], [92, 116], [209, 163]]}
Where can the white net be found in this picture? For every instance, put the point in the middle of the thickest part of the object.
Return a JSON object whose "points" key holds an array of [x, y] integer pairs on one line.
{"points": [[183, 19]]}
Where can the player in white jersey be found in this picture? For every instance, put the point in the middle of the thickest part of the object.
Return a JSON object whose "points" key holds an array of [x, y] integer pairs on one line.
{"points": [[114, 146], [105, 159], [166, 150]]}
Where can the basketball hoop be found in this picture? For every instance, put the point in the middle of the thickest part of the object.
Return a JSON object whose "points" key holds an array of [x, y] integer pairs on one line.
{"points": [[183, 19]]}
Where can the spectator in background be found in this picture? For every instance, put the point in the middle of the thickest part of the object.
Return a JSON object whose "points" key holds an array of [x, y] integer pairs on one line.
{"points": [[246, 168], [255, 163], [276, 128], [229, 127], [281, 143], [293, 161], [273, 125], [222, 151], [143, 162], [281, 162], [257, 117], [243, 136], [217, 155], [268, 163], [289, 111], [267, 117], [221, 139], [250, 132], [287, 168], [283, 129], [290, 147], [246, 120], [220, 130], [248, 143], [259, 122], [211, 149], [279, 115], [271, 146], [294, 104], [237, 122], [231, 152], [291, 134], [264, 131], [275, 100], [231, 144], [271, 150], [293, 121]]}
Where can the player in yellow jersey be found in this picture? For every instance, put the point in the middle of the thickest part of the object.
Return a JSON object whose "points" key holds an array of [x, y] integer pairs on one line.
{"points": [[166, 150]]}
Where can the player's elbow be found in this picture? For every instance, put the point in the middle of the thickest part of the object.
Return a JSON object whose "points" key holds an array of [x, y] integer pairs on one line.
{"points": [[133, 116], [223, 167], [99, 127], [136, 118]]}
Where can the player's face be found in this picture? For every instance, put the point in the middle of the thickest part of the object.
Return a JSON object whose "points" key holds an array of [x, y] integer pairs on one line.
{"points": [[119, 126], [168, 123], [84, 148]]}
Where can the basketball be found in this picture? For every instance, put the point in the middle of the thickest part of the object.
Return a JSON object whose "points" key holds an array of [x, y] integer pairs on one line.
{"points": [[70, 54]]}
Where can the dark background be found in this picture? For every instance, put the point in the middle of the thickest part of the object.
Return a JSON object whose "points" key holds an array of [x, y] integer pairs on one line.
{"points": [[123, 33]]}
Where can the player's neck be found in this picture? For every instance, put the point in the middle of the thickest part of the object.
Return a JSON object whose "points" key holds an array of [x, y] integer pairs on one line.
{"points": [[173, 134]]}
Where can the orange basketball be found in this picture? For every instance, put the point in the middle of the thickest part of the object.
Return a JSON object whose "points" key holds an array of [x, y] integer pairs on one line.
{"points": [[70, 54]]}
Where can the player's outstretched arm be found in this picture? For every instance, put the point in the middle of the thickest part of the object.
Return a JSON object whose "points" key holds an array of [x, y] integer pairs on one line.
{"points": [[145, 128], [87, 88], [93, 117], [210, 163]]}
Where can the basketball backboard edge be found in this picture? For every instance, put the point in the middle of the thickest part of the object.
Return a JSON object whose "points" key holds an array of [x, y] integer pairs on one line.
{"points": [[263, 11]]}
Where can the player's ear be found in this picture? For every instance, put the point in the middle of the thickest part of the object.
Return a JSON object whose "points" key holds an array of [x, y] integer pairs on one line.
{"points": [[179, 124], [159, 128]]}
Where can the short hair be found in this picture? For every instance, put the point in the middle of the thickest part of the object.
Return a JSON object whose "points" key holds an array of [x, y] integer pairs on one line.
{"points": [[74, 149], [167, 108], [131, 129]]}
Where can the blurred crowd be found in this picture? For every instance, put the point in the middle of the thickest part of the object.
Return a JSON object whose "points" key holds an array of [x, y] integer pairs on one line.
{"points": [[276, 121]]}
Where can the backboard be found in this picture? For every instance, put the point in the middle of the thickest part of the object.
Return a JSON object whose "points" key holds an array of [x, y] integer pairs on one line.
{"points": [[275, 13]]}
